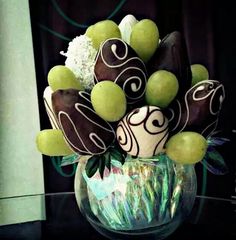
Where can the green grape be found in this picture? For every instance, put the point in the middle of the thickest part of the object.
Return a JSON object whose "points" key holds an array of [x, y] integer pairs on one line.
{"points": [[89, 31], [109, 101], [61, 77], [161, 88], [51, 142], [186, 147], [199, 73], [102, 31], [144, 38]]}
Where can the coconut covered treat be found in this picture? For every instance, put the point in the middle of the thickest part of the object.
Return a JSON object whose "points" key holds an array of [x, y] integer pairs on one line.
{"points": [[80, 58]]}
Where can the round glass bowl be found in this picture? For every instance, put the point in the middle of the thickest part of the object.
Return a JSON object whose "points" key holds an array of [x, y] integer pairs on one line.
{"points": [[141, 199]]}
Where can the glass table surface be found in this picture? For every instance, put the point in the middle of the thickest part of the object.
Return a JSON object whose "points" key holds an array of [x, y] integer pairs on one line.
{"points": [[211, 218]]}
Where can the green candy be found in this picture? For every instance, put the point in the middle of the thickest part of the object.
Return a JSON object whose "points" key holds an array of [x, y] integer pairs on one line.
{"points": [[61, 77], [186, 147], [51, 142], [199, 73], [109, 101], [102, 31], [161, 88], [144, 38]]}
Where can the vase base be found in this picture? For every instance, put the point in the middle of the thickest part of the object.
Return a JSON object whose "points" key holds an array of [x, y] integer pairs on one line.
{"points": [[153, 233]]}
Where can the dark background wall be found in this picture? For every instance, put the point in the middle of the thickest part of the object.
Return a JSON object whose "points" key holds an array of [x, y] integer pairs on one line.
{"points": [[208, 27]]}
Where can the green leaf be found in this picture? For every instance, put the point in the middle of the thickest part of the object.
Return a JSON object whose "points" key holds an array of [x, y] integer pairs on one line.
{"points": [[102, 161], [122, 159], [216, 156], [116, 154], [108, 161], [214, 162], [92, 165]]}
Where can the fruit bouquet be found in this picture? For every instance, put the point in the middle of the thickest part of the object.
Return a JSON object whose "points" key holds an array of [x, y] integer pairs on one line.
{"points": [[134, 114]]}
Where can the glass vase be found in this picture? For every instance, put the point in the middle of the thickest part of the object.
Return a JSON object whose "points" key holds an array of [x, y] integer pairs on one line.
{"points": [[141, 199]]}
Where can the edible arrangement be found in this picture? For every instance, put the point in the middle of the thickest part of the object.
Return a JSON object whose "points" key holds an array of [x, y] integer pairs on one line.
{"points": [[141, 115]]}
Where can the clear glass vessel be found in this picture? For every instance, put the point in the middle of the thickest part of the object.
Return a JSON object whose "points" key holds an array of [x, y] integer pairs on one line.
{"points": [[141, 199]]}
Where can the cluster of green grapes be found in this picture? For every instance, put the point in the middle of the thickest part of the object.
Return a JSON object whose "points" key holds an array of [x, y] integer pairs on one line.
{"points": [[109, 100]]}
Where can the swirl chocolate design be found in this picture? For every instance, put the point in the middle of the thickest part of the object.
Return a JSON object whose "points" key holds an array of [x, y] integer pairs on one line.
{"points": [[118, 62], [143, 131], [199, 109], [172, 56], [83, 129]]}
